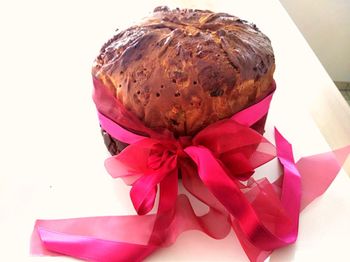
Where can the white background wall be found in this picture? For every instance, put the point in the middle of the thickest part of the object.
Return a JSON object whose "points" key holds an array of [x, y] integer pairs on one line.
{"points": [[326, 26]]}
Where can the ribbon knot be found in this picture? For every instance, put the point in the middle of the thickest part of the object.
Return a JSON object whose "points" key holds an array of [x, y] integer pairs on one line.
{"points": [[160, 153]]}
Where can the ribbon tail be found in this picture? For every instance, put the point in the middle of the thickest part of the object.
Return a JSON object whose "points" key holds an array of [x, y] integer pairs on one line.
{"points": [[291, 187], [224, 189], [290, 202], [318, 172], [112, 239], [252, 220], [229, 194], [254, 253], [75, 238], [165, 226]]}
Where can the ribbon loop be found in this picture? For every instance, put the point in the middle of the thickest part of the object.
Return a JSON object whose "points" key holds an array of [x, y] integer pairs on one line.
{"points": [[240, 148]]}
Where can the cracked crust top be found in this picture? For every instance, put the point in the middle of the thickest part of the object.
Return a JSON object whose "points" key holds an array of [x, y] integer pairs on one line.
{"points": [[184, 69]]}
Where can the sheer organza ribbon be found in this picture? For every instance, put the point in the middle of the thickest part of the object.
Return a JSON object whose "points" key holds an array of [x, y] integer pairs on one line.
{"points": [[216, 167]]}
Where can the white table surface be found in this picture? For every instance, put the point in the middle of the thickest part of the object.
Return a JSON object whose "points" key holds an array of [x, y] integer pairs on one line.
{"points": [[52, 155]]}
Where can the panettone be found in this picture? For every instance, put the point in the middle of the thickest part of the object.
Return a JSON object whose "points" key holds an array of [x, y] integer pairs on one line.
{"points": [[185, 69]]}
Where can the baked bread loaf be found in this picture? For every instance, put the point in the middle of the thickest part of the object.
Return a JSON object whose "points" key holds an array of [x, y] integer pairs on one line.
{"points": [[185, 69]]}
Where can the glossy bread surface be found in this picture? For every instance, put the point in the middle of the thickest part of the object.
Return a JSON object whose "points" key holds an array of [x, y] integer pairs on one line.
{"points": [[184, 69]]}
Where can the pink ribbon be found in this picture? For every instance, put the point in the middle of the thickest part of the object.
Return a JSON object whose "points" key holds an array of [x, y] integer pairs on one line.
{"points": [[216, 166]]}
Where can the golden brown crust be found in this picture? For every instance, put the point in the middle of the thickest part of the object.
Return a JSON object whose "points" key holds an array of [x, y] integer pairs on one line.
{"points": [[184, 69]]}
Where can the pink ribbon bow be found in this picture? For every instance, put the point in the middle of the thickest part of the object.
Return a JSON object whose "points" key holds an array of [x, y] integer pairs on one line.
{"points": [[216, 167]]}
